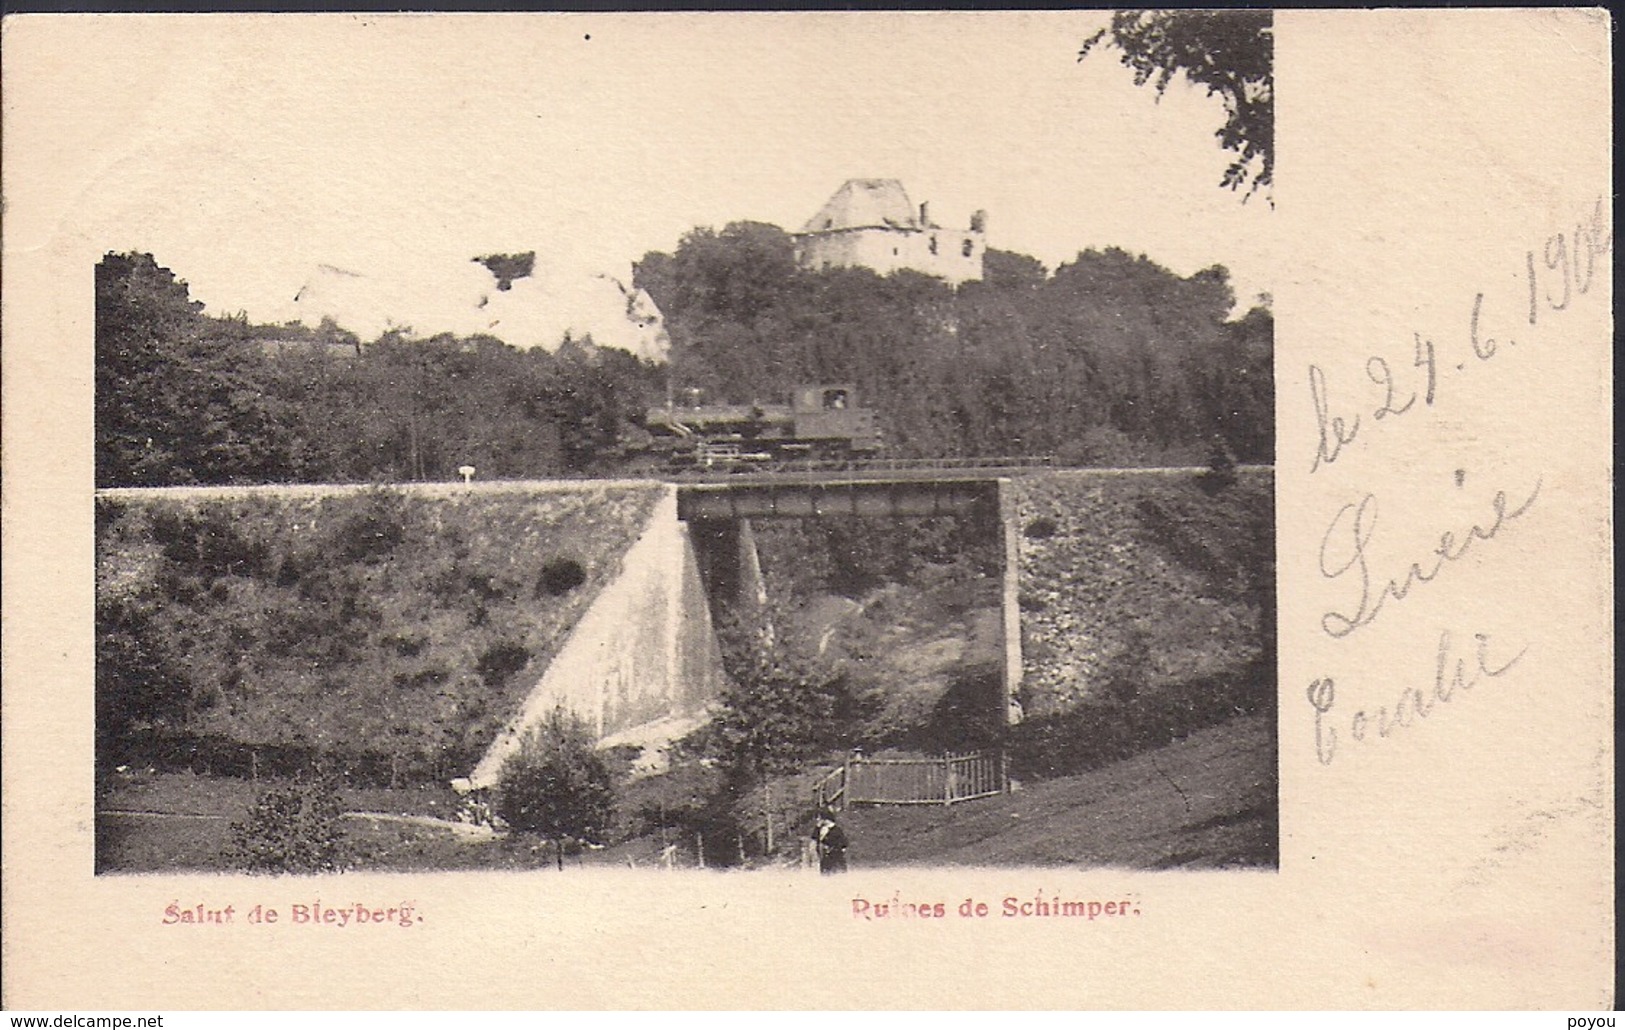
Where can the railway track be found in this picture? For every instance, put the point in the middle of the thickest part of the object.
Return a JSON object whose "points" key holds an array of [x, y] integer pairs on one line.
{"points": [[741, 474], [910, 468], [865, 468]]}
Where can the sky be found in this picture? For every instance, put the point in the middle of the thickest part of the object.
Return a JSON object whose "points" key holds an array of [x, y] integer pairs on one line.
{"points": [[246, 153]]}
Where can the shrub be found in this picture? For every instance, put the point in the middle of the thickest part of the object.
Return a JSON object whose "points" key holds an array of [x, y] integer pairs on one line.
{"points": [[969, 715], [1041, 528], [406, 645], [1031, 602], [556, 786], [1220, 474], [502, 660], [292, 829], [142, 680], [559, 577], [207, 543], [1120, 721], [376, 529]]}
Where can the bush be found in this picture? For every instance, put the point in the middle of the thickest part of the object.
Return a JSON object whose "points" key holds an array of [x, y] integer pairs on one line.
{"points": [[1122, 721], [377, 529], [207, 543], [1040, 529], [502, 660], [968, 716], [559, 577], [1221, 472], [783, 703], [556, 786], [292, 829]]}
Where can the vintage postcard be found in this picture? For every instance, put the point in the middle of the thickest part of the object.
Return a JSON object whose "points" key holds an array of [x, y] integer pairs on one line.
{"points": [[1061, 509]]}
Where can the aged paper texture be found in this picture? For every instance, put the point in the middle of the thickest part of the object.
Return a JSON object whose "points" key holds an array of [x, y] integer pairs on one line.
{"points": [[1440, 259]]}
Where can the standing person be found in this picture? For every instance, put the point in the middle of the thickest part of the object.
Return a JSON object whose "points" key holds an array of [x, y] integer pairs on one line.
{"points": [[832, 843]]}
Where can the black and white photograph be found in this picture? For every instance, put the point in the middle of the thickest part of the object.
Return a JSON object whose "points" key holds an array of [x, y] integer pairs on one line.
{"points": [[807, 511], [839, 475]]}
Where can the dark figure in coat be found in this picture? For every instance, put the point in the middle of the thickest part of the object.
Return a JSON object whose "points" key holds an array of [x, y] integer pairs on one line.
{"points": [[832, 842]]}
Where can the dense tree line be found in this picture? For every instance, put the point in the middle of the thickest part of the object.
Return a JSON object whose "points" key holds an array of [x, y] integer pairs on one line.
{"points": [[1111, 358], [185, 398]]}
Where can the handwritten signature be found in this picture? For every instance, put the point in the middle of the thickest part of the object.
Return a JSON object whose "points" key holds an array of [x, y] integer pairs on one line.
{"points": [[1353, 527], [1450, 675]]}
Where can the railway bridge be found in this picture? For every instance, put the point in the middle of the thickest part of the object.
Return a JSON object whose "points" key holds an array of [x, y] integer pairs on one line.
{"points": [[646, 648], [719, 515]]}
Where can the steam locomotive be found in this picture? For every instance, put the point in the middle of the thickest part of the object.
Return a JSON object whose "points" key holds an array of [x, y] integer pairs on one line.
{"points": [[822, 422]]}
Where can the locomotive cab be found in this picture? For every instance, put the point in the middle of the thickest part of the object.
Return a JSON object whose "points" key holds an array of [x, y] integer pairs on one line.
{"points": [[827, 418], [808, 399]]}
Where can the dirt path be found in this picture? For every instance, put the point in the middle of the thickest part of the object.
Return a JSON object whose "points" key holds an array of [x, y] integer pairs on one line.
{"points": [[466, 831], [128, 813]]}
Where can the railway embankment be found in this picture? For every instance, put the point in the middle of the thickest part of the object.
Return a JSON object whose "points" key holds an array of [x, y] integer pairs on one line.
{"points": [[392, 632], [1139, 579]]}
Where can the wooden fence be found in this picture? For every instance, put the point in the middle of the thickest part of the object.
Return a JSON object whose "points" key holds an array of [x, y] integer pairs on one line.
{"points": [[913, 781]]}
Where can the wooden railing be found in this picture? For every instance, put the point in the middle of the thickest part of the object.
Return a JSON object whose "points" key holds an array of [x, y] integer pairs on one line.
{"points": [[830, 792], [913, 781]]}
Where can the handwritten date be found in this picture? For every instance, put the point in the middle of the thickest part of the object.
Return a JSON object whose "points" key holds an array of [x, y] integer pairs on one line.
{"points": [[1560, 270]]}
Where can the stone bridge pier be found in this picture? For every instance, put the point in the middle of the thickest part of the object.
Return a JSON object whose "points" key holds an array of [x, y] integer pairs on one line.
{"points": [[730, 565]]}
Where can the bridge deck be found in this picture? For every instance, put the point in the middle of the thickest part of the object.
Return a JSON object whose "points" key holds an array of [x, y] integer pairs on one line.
{"points": [[786, 496]]}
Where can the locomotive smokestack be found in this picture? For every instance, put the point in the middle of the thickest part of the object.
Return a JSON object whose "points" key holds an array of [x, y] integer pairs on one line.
{"points": [[925, 214]]}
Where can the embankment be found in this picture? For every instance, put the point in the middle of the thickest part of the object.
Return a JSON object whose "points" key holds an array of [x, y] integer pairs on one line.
{"points": [[1151, 576], [393, 631]]}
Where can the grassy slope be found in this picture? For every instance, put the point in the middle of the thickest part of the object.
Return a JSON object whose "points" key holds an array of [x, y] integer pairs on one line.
{"points": [[1139, 575], [169, 822], [363, 623], [1204, 802], [1207, 801]]}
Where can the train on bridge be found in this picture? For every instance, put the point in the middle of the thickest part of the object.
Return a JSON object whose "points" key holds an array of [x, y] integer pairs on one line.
{"points": [[821, 423], [821, 430]]}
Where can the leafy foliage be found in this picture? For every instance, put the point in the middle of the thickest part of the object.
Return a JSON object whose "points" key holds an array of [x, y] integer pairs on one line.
{"points": [[176, 398], [372, 532], [556, 786], [1112, 359], [183, 398], [1041, 528], [1229, 53], [559, 577], [782, 706], [295, 828], [1125, 719]]}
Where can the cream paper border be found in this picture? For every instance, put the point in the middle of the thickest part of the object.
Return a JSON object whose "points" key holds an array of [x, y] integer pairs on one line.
{"points": [[1464, 861]]}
